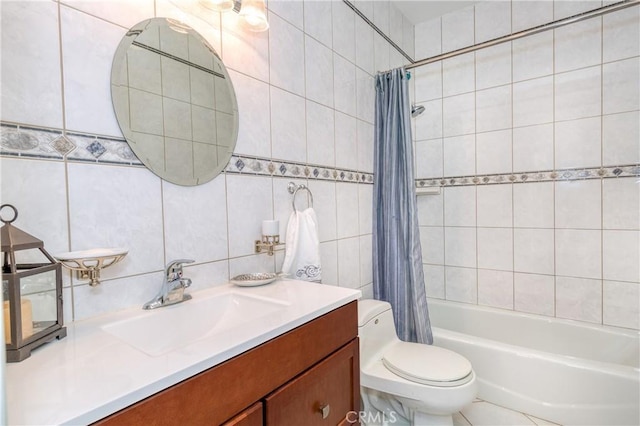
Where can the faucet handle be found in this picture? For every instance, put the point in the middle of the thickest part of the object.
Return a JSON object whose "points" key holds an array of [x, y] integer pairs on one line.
{"points": [[185, 282], [174, 268]]}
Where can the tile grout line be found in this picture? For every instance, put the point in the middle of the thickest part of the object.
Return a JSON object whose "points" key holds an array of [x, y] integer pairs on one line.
{"points": [[64, 159]]}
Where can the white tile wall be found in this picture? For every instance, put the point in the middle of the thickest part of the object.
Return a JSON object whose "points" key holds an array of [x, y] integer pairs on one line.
{"points": [[533, 56], [460, 155], [579, 299], [458, 75], [320, 134], [493, 19], [458, 29], [286, 53], [461, 284], [533, 148], [562, 99], [495, 288], [84, 74], [130, 208], [495, 248], [534, 293], [305, 93], [494, 205], [318, 64], [494, 152], [621, 35], [23, 76], [288, 126], [620, 135], [578, 143]]}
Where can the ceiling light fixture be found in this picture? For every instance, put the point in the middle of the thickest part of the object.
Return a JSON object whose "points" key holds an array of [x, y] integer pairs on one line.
{"points": [[255, 15], [217, 5], [252, 12]]}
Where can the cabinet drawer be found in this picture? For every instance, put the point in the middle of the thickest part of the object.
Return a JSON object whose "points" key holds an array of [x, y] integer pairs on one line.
{"points": [[252, 416], [332, 385]]}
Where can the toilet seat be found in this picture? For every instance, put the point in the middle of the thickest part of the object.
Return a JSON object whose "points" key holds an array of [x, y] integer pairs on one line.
{"points": [[428, 365]]}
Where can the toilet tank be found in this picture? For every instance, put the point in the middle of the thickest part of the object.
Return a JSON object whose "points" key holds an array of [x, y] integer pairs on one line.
{"points": [[376, 329]]}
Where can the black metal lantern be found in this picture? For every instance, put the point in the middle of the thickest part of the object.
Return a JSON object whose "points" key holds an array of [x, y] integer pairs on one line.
{"points": [[31, 292]]}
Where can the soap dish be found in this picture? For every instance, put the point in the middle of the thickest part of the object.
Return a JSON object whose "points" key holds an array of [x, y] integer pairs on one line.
{"points": [[88, 263], [255, 279]]}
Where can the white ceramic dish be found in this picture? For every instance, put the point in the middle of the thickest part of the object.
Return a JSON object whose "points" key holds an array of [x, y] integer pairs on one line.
{"points": [[93, 258], [255, 279]]}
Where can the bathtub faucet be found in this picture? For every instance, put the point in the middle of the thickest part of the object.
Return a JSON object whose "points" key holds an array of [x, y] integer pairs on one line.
{"points": [[173, 286]]}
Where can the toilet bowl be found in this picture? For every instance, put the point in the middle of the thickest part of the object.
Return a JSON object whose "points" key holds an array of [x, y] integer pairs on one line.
{"points": [[407, 383]]}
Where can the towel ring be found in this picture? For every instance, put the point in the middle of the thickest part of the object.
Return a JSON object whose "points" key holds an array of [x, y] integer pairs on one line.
{"points": [[293, 189]]}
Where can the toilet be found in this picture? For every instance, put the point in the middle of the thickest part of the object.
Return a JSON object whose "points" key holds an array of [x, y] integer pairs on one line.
{"points": [[404, 383]]}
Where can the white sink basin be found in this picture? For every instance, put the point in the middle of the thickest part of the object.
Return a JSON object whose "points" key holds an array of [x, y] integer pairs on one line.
{"points": [[163, 330]]}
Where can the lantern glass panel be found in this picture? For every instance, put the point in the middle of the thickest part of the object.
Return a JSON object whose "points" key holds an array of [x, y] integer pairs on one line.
{"points": [[38, 303]]}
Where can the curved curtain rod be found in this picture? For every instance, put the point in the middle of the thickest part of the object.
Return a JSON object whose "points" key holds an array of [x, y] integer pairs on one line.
{"points": [[531, 31]]}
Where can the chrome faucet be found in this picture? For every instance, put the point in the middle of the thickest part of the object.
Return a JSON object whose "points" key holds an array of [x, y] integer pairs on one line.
{"points": [[172, 290]]}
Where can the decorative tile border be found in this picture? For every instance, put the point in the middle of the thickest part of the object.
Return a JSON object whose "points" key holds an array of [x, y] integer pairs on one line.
{"points": [[543, 176], [31, 142], [101, 149], [269, 167]]}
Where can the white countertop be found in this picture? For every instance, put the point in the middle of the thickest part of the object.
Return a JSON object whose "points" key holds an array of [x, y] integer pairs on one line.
{"points": [[91, 374]]}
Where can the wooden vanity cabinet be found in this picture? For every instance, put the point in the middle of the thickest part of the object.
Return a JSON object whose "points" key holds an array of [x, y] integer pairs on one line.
{"points": [[307, 376]]}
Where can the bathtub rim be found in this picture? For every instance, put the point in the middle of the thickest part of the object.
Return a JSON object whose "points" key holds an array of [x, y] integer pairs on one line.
{"points": [[522, 350], [539, 317]]}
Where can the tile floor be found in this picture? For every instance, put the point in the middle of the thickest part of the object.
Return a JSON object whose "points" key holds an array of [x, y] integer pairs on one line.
{"points": [[482, 413]]}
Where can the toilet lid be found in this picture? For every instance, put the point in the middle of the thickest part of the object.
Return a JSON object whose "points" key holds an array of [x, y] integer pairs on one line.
{"points": [[428, 365]]}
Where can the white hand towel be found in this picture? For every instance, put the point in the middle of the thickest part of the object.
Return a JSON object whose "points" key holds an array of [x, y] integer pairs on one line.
{"points": [[302, 256]]}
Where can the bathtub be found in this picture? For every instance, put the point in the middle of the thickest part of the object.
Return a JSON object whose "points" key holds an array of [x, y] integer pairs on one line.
{"points": [[564, 371]]}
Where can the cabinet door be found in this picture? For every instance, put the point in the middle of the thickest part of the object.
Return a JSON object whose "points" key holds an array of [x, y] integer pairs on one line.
{"points": [[327, 394], [252, 416]]}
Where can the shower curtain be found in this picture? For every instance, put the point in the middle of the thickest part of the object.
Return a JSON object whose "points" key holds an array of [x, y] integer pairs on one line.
{"points": [[398, 277]]}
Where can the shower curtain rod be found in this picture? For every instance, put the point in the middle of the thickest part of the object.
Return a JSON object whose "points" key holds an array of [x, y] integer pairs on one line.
{"points": [[535, 30]]}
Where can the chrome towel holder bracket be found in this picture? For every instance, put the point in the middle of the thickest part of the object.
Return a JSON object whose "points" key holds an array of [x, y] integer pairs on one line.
{"points": [[294, 188]]}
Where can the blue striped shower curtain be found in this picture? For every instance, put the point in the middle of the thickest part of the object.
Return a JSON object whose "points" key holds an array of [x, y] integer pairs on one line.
{"points": [[398, 277]]}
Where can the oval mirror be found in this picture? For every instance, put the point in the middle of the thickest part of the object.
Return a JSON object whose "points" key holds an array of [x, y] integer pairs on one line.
{"points": [[174, 101]]}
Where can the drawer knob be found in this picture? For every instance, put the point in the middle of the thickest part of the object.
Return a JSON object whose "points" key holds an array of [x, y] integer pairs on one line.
{"points": [[325, 410]]}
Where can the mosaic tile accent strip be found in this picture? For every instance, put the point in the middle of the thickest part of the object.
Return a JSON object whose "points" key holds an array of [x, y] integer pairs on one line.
{"points": [[63, 145], [101, 149], [24, 141], [240, 164], [543, 176], [32, 142]]}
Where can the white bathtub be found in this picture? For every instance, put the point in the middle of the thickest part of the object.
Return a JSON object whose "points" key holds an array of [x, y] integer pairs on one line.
{"points": [[564, 371]]}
